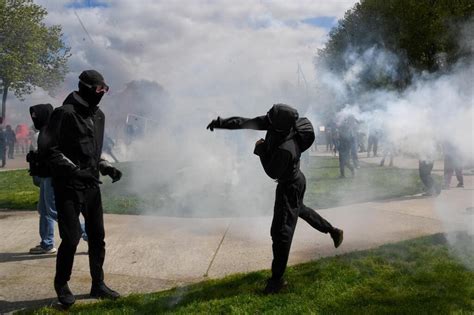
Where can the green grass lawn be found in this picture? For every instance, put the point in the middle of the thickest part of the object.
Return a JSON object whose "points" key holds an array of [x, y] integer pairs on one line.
{"points": [[413, 277], [324, 188]]}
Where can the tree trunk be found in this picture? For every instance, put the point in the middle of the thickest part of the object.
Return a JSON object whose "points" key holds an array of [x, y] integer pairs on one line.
{"points": [[4, 102]]}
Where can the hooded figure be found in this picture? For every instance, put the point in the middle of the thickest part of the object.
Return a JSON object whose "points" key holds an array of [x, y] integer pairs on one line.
{"points": [[74, 142], [286, 138], [40, 115]]}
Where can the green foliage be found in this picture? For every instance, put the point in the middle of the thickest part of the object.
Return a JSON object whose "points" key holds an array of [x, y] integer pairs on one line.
{"points": [[425, 35], [17, 190], [31, 53], [412, 277]]}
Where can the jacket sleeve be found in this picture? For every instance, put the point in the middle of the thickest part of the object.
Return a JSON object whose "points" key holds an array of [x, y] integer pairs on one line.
{"points": [[60, 165], [257, 123], [274, 163]]}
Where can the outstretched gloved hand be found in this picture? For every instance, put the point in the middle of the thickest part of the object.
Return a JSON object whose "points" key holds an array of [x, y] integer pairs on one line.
{"points": [[216, 123]]}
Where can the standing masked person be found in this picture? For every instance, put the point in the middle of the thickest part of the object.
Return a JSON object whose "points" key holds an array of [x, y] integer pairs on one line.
{"points": [[287, 137], [74, 144]]}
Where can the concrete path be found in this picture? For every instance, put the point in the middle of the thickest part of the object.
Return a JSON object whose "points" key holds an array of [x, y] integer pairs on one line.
{"points": [[149, 253]]}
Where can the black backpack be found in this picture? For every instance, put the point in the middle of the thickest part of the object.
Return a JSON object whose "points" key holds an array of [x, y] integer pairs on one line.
{"points": [[304, 133]]}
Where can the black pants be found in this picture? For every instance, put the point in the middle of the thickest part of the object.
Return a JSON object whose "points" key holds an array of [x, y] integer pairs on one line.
{"points": [[288, 206], [69, 203], [344, 161], [425, 168]]}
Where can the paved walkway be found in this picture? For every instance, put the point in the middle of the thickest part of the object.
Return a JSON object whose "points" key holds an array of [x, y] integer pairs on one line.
{"points": [[147, 253]]}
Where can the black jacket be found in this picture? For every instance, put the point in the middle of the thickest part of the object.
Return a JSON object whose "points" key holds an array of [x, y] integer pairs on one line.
{"points": [[279, 154], [38, 160], [74, 140]]}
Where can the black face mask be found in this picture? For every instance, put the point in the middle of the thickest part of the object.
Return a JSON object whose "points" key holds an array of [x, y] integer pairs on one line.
{"points": [[90, 95]]}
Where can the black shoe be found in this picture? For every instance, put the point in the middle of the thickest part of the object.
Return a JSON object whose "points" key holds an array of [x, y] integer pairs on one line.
{"points": [[274, 286], [101, 291], [65, 295], [337, 236], [460, 185]]}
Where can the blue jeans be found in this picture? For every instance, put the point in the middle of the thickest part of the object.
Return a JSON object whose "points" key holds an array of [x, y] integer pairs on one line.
{"points": [[48, 214], [47, 211]]}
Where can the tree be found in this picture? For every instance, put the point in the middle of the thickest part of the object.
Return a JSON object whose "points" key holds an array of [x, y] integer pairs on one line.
{"points": [[424, 34], [31, 53]]}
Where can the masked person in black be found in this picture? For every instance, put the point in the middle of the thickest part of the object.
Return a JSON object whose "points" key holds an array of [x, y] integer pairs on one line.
{"points": [[287, 137], [74, 144]]}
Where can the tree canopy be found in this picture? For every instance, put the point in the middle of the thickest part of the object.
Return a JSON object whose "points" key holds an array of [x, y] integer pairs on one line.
{"points": [[425, 35], [32, 54]]}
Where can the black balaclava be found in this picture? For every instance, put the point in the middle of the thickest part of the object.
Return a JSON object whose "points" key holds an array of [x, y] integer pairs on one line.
{"points": [[282, 120], [92, 78], [40, 115]]}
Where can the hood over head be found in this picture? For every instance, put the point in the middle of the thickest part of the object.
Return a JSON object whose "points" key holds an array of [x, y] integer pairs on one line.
{"points": [[282, 117], [40, 114]]}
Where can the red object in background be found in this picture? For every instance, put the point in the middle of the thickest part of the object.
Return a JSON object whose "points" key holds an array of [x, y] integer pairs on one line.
{"points": [[23, 140]]}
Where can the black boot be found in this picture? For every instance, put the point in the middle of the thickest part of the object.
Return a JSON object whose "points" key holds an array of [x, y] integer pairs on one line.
{"points": [[65, 295], [337, 236], [274, 286], [101, 291]]}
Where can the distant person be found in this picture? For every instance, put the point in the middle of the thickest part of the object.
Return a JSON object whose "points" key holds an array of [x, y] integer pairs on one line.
{"points": [[425, 167], [344, 147], [389, 150], [373, 142], [75, 137], [10, 138], [3, 147], [352, 127], [286, 138], [452, 163], [22, 144]]}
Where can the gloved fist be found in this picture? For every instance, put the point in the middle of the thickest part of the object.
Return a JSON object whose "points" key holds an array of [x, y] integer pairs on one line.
{"points": [[86, 176], [216, 123], [115, 174], [107, 169]]}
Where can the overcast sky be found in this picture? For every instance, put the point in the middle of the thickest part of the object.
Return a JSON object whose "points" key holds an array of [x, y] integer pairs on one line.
{"points": [[210, 49]]}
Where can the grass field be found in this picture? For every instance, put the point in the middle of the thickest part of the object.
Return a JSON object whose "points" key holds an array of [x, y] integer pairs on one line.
{"points": [[324, 188], [412, 277]]}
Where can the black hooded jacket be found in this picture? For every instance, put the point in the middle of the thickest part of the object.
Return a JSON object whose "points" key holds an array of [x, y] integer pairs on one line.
{"points": [[280, 153], [74, 140], [40, 115]]}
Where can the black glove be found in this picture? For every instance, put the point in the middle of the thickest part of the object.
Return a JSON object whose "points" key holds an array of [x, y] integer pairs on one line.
{"points": [[86, 176], [112, 172], [115, 174], [216, 123]]}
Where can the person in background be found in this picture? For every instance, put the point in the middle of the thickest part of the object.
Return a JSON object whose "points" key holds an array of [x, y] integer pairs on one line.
{"points": [[39, 169], [10, 138], [373, 141], [452, 164], [3, 147]]}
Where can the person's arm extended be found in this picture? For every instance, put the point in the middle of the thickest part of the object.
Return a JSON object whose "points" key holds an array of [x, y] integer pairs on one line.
{"points": [[257, 123], [274, 163], [60, 165]]}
